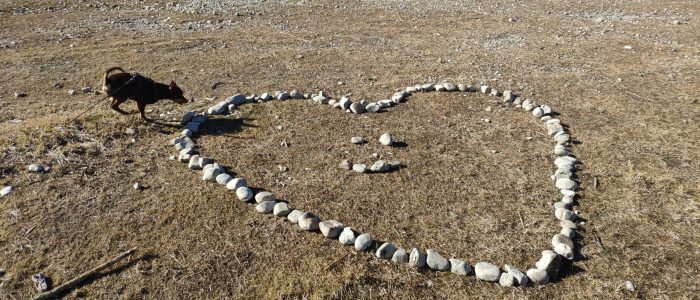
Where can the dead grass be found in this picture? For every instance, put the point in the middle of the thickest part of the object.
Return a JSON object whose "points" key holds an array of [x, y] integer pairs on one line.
{"points": [[638, 136]]}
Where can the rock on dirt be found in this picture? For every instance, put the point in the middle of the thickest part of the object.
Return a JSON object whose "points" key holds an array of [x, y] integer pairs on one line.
{"points": [[386, 251], [487, 271], [363, 242], [400, 256], [331, 228], [308, 221], [281, 209], [36, 168], [459, 267], [6, 191], [386, 139], [347, 237], [417, 259], [437, 262]]}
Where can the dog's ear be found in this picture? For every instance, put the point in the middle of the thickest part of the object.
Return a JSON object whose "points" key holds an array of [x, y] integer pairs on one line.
{"points": [[172, 84]]}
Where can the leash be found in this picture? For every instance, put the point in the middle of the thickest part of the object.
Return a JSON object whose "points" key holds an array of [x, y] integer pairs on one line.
{"points": [[132, 79]]}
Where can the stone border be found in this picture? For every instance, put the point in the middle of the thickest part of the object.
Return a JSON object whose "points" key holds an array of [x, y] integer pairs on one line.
{"points": [[545, 269]]}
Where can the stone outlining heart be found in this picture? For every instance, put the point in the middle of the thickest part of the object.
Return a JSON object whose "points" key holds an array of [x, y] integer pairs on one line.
{"points": [[545, 269]]}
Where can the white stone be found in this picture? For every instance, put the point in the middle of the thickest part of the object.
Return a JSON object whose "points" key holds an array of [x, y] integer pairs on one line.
{"points": [[345, 103], [294, 215], [209, 174], [537, 112], [487, 271], [264, 196], [6, 191], [385, 251], [428, 87], [281, 209], [236, 183], [357, 140], [508, 96], [400, 256], [347, 236], [485, 89], [546, 109], [568, 224], [265, 97], [437, 262], [359, 168], [399, 97], [345, 164], [460, 267], [363, 241], [183, 157], [629, 286], [265, 207], [561, 138], [380, 166], [372, 107], [331, 228], [357, 108], [495, 92], [566, 184], [223, 178], [506, 279], [568, 232], [417, 259], [520, 277], [308, 221], [244, 193], [538, 276], [36, 168], [384, 103], [386, 139], [560, 150], [565, 251], [564, 214], [549, 262], [450, 87]]}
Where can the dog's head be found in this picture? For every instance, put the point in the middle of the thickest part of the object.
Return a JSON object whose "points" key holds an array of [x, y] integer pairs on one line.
{"points": [[176, 93]]}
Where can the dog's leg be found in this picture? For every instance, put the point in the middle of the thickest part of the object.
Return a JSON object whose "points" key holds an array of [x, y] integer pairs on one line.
{"points": [[115, 105], [142, 109]]}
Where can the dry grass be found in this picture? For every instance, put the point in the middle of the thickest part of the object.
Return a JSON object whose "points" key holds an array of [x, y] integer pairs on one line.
{"points": [[638, 137]]}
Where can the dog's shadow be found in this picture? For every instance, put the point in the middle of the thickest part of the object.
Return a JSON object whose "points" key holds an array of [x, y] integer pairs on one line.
{"points": [[224, 126]]}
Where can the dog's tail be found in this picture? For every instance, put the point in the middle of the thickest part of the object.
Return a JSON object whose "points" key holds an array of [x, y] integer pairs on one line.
{"points": [[104, 79]]}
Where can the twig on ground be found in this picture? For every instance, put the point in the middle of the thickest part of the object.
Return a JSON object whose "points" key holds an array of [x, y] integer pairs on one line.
{"points": [[522, 223], [73, 282]]}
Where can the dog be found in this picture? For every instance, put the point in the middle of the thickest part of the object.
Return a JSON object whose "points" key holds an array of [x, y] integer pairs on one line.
{"points": [[123, 86]]}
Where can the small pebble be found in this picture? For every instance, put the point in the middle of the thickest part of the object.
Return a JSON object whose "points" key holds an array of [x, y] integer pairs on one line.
{"points": [[386, 251], [6, 191], [41, 282], [629, 286], [137, 186], [72, 92], [130, 131], [20, 94], [363, 241], [345, 164], [485, 89], [386, 139], [357, 140], [537, 112], [36, 168], [359, 168]]}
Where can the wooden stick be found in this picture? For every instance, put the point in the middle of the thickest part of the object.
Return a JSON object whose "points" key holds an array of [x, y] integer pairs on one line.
{"points": [[71, 283]]}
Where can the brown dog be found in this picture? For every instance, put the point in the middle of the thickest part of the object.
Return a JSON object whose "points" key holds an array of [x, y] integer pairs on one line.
{"points": [[143, 90]]}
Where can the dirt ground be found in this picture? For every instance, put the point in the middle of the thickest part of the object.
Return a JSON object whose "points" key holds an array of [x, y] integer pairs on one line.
{"points": [[473, 190]]}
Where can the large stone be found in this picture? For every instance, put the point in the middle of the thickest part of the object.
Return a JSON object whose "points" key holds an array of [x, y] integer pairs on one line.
{"points": [[380, 166], [485, 89], [386, 251], [209, 174], [487, 272], [236, 99], [308, 221], [357, 108], [363, 241], [386, 139], [566, 184], [549, 262], [347, 236], [460, 267], [506, 279], [562, 213], [400, 256], [244, 193], [417, 259], [359, 168], [281, 209], [223, 178], [372, 107], [294, 215], [5, 191], [345, 103], [565, 251], [538, 276], [437, 262], [519, 277], [331, 228], [264, 196], [235, 183], [265, 207]]}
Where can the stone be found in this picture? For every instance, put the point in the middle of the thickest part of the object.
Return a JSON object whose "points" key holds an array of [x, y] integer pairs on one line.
{"points": [[568, 232], [549, 262], [386, 251], [554, 128], [265, 207], [400, 256], [565, 251], [320, 99], [546, 109], [384, 103], [359, 168], [186, 132], [294, 94], [560, 150], [440, 88], [36, 168], [345, 103], [545, 118], [538, 276], [210, 174], [357, 108], [629, 286], [363, 241], [562, 213], [236, 183], [506, 280], [386, 139], [399, 97], [519, 277], [6, 191], [357, 140], [308, 221], [528, 105], [372, 107], [231, 109], [537, 112], [281, 209], [244, 193], [331, 228], [183, 157], [345, 164], [223, 178], [437, 262], [282, 96], [347, 236], [558, 205], [462, 87], [568, 224], [137, 186], [294, 215], [566, 184], [72, 92], [41, 282], [130, 131], [417, 259], [562, 239], [264, 196], [495, 92], [20, 94], [265, 97], [460, 267], [487, 271], [450, 87], [428, 87], [485, 89], [508, 96], [565, 161], [380, 166], [561, 138]]}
